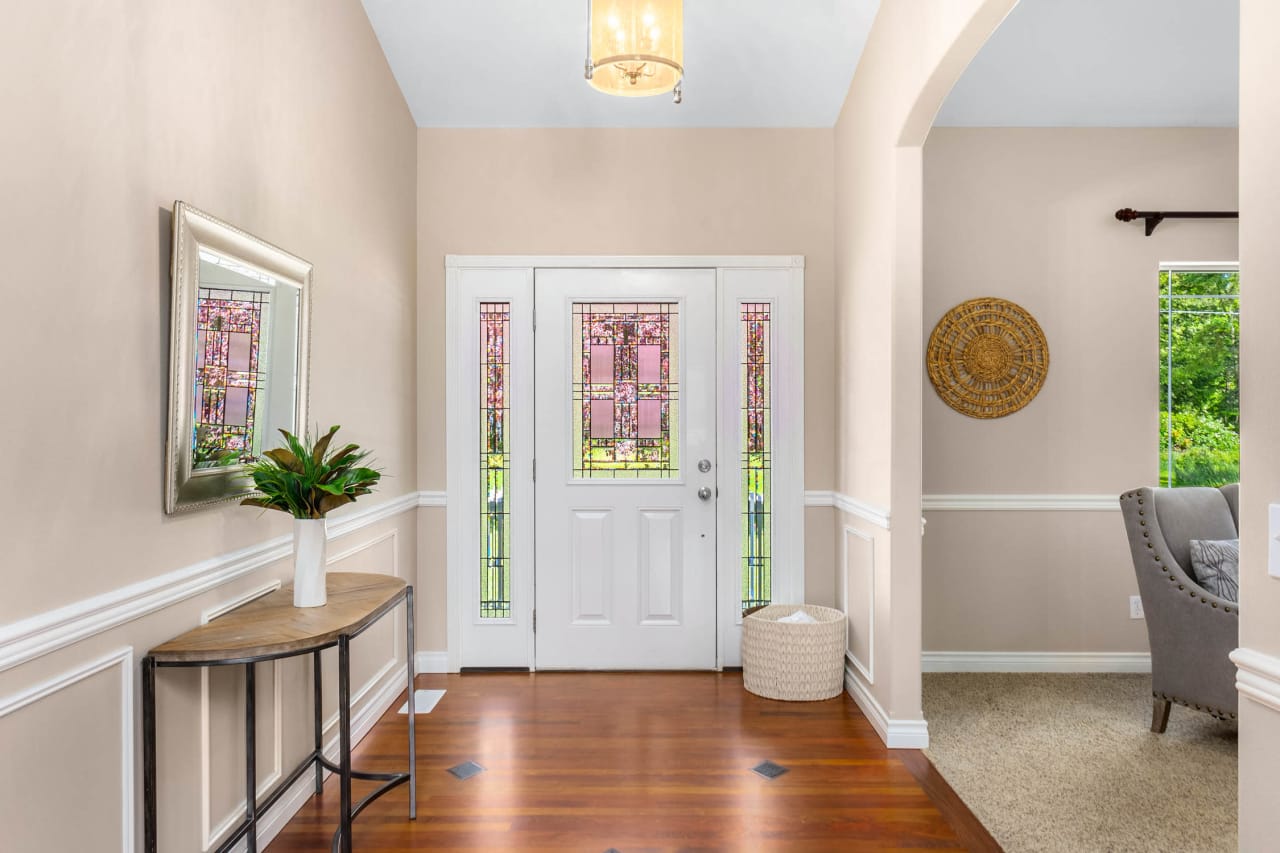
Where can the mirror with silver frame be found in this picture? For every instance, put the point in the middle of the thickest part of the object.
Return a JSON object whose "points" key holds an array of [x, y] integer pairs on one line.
{"points": [[238, 350]]}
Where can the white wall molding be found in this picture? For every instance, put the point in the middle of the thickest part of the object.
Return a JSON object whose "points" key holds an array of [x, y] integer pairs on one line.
{"points": [[1258, 677], [430, 661], [46, 632], [124, 659], [870, 513], [867, 667], [1036, 662], [426, 498], [1022, 503], [896, 734], [627, 261]]}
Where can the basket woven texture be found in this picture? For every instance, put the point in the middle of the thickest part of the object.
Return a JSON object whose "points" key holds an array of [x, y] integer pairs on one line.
{"points": [[987, 358], [793, 661]]}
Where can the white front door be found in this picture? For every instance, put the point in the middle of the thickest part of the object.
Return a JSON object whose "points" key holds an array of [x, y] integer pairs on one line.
{"points": [[625, 448]]}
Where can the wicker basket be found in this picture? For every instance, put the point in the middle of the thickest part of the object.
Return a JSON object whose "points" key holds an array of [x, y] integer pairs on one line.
{"points": [[793, 661]]}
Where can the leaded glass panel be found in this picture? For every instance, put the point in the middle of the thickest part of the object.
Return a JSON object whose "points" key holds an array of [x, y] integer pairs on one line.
{"points": [[626, 390], [495, 461], [756, 463], [229, 377]]}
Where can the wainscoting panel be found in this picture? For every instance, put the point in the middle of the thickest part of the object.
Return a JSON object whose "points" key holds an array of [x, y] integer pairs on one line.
{"points": [[67, 744], [859, 557]]}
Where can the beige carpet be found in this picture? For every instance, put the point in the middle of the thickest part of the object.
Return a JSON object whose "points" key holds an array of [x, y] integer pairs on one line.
{"points": [[1067, 763]]}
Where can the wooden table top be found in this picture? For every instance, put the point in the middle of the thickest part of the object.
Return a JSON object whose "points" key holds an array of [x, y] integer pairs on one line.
{"points": [[271, 626]]}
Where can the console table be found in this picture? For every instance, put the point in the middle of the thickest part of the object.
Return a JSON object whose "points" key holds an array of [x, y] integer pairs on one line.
{"points": [[271, 628]]}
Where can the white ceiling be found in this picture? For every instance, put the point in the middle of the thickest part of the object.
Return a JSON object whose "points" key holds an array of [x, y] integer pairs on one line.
{"points": [[518, 63], [1105, 63]]}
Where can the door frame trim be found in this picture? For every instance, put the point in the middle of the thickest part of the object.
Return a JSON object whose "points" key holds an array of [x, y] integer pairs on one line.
{"points": [[461, 419]]}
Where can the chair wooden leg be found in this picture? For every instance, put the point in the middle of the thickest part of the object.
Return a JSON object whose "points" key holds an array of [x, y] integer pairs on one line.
{"points": [[1159, 714]]}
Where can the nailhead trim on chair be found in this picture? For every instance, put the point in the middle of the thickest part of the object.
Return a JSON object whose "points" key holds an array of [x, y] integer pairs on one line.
{"points": [[1216, 713], [1147, 535]]}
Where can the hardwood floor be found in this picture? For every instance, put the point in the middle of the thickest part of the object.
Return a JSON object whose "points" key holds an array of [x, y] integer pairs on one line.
{"points": [[640, 761]]}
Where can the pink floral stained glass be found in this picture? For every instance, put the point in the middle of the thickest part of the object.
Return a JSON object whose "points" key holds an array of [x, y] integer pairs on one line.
{"points": [[756, 461], [495, 461], [229, 378], [625, 390]]}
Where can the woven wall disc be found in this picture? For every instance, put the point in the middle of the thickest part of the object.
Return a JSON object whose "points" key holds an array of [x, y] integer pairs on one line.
{"points": [[987, 358]]}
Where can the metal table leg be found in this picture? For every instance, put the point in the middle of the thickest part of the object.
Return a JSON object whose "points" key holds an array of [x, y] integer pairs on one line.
{"points": [[250, 760], [149, 753], [319, 721], [344, 742], [413, 751]]}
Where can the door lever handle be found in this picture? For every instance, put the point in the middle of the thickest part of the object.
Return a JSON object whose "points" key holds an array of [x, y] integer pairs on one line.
{"points": [[705, 493]]}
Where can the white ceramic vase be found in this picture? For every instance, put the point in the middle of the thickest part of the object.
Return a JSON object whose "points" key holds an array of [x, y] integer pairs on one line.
{"points": [[309, 540]]}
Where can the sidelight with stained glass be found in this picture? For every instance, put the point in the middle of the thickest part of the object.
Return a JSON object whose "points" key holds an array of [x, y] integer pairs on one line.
{"points": [[756, 462], [495, 460]]}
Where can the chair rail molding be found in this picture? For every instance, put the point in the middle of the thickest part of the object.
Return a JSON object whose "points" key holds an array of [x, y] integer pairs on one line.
{"points": [[122, 658], [51, 630], [1022, 503], [868, 512], [1258, 677]]}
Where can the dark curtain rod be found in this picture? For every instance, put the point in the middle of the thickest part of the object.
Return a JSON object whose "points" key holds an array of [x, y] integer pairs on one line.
{"points": [[1155, 217]]}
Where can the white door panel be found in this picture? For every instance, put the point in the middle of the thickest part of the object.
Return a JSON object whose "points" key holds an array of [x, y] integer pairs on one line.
{"points": [[626, 408]]}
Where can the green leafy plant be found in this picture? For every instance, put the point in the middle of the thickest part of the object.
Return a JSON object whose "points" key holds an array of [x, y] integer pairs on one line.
{"points": [[300, 480]]}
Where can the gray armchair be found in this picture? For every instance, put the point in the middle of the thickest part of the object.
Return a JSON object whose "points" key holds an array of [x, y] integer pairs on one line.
{"points": [[1191, 630]]}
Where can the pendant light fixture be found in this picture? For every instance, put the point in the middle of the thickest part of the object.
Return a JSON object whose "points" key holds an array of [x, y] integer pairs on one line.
{"points": [[636, 47]]}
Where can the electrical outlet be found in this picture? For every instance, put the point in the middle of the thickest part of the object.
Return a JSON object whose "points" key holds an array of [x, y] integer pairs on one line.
{"points": [[1135, 607]]}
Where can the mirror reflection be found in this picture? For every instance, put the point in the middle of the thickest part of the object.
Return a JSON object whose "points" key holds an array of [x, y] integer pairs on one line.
{"points": [[245, 362]]}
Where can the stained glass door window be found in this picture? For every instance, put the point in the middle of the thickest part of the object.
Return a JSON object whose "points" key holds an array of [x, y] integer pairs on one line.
{"points": [[756, 462], [495, 461], [229, 375], [626, 390]]}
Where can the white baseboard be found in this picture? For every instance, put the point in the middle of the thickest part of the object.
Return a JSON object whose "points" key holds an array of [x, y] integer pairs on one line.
{"points": [[1036, 662], [430, 662], [362, 722], [896, 734]]}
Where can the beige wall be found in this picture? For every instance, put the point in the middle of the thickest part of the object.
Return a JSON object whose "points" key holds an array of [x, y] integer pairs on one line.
{"points": [[1028, 215], [1260, 408], [284, 119], [915, 52], [616, 192]]}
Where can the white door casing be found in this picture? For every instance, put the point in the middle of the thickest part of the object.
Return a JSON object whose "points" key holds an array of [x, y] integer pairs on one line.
{"points": [[730, 281], [626, 566]]}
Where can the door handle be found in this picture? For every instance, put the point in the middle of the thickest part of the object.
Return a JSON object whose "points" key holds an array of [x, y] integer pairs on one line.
{"points": [[705, 493], [704, 465]]}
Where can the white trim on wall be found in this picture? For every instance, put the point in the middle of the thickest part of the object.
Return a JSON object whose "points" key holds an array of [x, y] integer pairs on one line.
{"points": [[46, 632], [1258, 677], [1036, 662], [124, 659], [896, 734], [1022, 503], [870, 513], [623, 261], [432, 498], [430, 661]]}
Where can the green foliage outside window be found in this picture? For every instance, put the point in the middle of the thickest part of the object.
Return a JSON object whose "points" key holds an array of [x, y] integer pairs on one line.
{"points": [[1199, 378]]}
